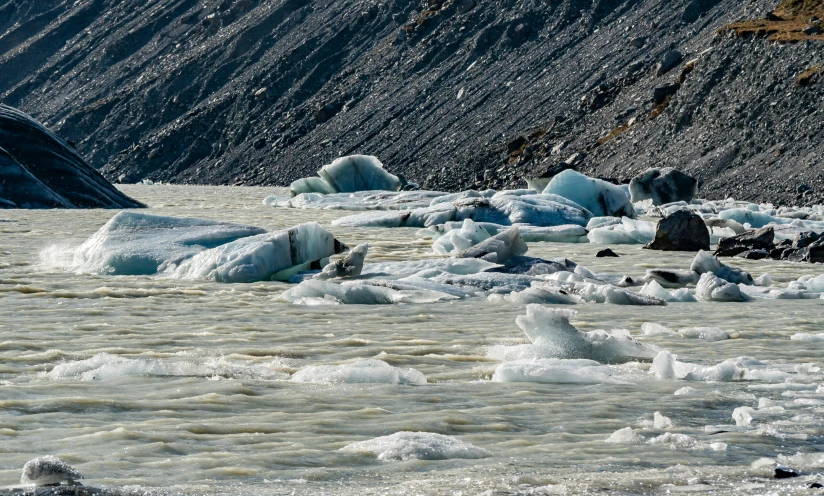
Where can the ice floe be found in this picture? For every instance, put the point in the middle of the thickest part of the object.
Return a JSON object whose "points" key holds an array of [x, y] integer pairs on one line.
{"points": [[417, 446], [556, 371], [360, 372]]}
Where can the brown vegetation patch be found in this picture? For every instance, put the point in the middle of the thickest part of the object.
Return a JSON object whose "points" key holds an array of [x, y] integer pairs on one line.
{"points": [[660, 108], [615, 132], [788, 23], [809, 76]]}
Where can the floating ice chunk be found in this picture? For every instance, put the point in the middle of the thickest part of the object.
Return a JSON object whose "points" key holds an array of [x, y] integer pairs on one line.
{"points": [[687, 391], [310, 301], [705, 262], [815, 284], [418, 446], [349, 266], [364, 292], [599, 197], [719, 233], [681, 441], [427, 268], [625, 436], [653, 329], [361, 200], [712, 288], [611, 235], [607, 293], [569, 233], [742, 416], [555, 371], [803, 460], [136, 243], [705, 333], [756, 220], [458, 240], [597, 222], [545, 295], [652, 288], [661, 421], [803, 336], [499, 248], [360, 372], [764, 280], [550, 331], [665, 366], [47, 471], [260, 257], [349, 174]]}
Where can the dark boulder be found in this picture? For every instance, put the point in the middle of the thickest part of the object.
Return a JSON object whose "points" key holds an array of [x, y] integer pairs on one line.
{"points": [[663, 186], [40, 170], [606, 253], [681, 231], [757, 239]]}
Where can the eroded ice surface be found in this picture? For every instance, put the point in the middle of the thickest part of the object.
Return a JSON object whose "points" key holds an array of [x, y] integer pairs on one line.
{"points": [[417, 446]]}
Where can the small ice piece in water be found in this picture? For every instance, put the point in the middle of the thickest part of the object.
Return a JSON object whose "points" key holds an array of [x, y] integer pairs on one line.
{"points": [[550, 331], [499, 248], [418, 446], [545, 295], [676, 441], [654, 289], [653, 329], [360, 372], [458, 240], [625, 436], [743, 416], [804, 336], [687, 391], [48, 471], [705, 333], [705, 262], [349, 266], [712, 288], [555, 371], [764, 280], [379, 292], [660, 421]]}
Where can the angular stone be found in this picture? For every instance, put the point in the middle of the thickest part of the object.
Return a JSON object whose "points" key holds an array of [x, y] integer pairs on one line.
{"points": [[681, 231]]}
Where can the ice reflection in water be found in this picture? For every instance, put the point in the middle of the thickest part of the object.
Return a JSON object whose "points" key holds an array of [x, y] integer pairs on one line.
{"points": [[183, 384]]}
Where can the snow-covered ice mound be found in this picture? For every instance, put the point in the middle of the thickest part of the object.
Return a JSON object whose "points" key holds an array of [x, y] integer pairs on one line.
{"points": [[360, 372], [555, 371], [137, 243], [347, 175], [597, 196], [418, 446], [48, 470], [133, 243]]}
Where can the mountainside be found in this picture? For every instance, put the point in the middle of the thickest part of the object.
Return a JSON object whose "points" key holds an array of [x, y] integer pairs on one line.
{"points": [[453, 94]]}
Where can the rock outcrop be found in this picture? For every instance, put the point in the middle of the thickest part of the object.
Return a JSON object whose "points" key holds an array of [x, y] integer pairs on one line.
{"points": [[40, 170], [681, 231]]}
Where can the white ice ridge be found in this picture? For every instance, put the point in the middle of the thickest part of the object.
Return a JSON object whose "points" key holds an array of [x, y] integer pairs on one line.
{"points": [[136, 243], [360, 372], [504, 208], [666, 366], [105, 366], [349, 174], [417, 446], [553, 336], [555, 371], [48, 470]]}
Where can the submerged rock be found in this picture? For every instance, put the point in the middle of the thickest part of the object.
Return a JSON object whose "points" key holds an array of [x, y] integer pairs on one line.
{"points": [[758, 239], [681, 231], [40, 170], [663, 186]]}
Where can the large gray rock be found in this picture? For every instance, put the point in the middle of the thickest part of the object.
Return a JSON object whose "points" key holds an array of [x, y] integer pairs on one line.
{"points": [[663, 186], [681, 231], [40, 170], [757, 239]]}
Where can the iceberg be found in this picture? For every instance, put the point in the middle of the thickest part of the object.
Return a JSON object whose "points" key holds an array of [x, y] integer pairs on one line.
{"points": [[136, 243], [417, 446], [458, 240], [705, 262], [598, 196], [497, 249], [713, 288], [349, 174], [555, 371], [360, 372]]}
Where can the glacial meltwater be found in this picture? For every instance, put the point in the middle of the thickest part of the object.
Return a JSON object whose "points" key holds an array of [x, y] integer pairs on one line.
{"points": [[152, 384]]}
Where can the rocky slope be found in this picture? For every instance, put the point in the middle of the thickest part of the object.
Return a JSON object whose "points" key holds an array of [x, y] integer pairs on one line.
{"points": [[454, 94]]}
